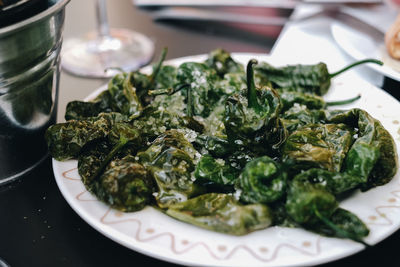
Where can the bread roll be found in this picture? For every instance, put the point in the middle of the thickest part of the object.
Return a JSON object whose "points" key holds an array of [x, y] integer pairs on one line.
{"points": [[392, 39]]}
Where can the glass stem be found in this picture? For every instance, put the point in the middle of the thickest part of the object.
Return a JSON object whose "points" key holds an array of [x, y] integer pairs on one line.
{"points": [[102, 21]]}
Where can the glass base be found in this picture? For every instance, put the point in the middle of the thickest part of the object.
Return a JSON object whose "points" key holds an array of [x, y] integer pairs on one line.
{"points": [[101, 57]]}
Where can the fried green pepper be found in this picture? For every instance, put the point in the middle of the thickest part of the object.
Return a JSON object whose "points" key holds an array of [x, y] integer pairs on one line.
{"points": [[304, 199], [120, 136], [155, 121], [200, 82], [223, 63], [373, 155], [120, 96], [214, 145], [345, 225], [311, 101], [299, 115], [90, 159], [123, 93], [170, 160], [65, 140], [316, 209], [232, 83], [262, 181], [215, 173], [166, 77], [80, 110], [125, 185], [126, 93], [253, 119], [318, 145], [313, 79], [222, 213], [334, 182]]}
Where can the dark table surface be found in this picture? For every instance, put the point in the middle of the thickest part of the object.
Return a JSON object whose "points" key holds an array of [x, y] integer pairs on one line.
{"points": [[39, 228]]}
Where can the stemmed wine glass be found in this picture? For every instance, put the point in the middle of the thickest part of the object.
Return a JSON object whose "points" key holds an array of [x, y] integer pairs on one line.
{"points": [[100, 54]]}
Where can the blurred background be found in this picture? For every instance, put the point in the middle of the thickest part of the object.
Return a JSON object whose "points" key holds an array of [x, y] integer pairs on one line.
{"points": [[182, 37]]}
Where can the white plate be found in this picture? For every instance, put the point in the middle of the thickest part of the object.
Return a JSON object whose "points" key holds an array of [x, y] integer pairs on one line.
{"points": [[361, 46], [155, 234]]}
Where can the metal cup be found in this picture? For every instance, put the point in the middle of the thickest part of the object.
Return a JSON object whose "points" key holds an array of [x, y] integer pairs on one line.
{"points": [[29, 82]]}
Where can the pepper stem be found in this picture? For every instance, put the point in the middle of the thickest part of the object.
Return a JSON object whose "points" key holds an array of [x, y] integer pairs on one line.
{"points": [[369, 60], [158, 67], [189, 106], [251, 87], [343, 102], [339, 231], [167, 91], [162, 91]]}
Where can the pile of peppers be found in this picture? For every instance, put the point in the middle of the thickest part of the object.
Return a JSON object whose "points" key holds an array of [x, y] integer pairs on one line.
{"points": [[227, 147]]}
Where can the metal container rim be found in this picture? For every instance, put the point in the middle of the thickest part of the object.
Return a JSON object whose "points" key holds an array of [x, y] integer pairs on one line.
{"points": [[34, 19]]}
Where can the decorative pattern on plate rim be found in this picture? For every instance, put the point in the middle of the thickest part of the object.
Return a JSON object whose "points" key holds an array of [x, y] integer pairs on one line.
{"points": [[307, 247], [149, 234]]}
